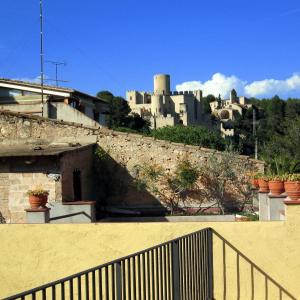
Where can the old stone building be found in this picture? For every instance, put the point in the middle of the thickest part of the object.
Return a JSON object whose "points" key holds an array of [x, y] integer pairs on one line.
{"points": [[58, 103], [228, 109], [124, 152], [63, 169], [164, 107]]}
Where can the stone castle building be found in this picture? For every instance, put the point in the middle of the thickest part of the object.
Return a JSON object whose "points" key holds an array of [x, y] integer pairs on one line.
{"points": [[164, 107], [227, 110]]}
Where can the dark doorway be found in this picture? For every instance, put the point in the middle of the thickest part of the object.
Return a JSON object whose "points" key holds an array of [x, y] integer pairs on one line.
{"points": [[77, 185]]}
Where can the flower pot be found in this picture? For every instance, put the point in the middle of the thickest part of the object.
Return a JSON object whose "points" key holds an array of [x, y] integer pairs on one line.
{"points": [[37, 201], [276, 187], [254, 183], [263, 186], [292, 189]]}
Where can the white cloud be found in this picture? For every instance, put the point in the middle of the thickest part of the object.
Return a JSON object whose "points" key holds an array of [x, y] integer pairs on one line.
{"points": [[270, 87], [222, 84], [218, 84]]}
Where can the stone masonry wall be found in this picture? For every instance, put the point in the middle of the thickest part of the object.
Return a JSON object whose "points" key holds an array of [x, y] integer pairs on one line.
{"points": [[128, 150]]}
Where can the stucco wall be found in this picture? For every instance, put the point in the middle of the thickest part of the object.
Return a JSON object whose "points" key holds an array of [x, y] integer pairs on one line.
{"points": [[62, 111], [42, 253]]}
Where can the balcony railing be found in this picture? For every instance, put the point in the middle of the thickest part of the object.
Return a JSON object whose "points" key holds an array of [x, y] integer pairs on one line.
{"points": [[180, 269]]}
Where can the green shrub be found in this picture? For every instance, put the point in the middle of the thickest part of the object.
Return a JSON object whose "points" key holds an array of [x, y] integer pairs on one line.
{"points": [[190, 135]]}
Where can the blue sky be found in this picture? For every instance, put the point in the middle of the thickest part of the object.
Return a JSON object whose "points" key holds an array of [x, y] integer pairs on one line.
{"points": [[119, 45]]}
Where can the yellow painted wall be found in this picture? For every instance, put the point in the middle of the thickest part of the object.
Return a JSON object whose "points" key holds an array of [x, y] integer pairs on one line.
{"points": [[31, 255]]}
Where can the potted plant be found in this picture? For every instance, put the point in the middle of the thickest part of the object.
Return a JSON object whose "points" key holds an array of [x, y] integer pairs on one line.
{"points": [[254, 180], [37, 198], [276, 185], [263, 182], [292, 186]]}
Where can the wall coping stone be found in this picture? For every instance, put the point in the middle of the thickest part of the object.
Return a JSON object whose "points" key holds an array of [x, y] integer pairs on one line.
{"points": [[41, 209], [43, 119], [292, 202], [79, 203], [100, 131], [283, 195]]}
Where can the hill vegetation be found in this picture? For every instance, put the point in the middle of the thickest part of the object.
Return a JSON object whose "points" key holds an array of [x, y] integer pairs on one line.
{"points": [[277, 129]]}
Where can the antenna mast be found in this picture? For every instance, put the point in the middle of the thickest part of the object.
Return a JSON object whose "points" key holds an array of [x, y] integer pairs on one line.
{"points": [[56, 64], [42, 54], [254, 132]]}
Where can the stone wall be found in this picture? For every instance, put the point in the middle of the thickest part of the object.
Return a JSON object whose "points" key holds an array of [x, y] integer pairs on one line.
{"points": [[126, 150], [23, 127]]}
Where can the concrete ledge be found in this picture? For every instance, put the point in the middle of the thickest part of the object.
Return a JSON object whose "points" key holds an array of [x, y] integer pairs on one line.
{"points": [[38, 215], [203, 218], [72, 212], [79, 203]]}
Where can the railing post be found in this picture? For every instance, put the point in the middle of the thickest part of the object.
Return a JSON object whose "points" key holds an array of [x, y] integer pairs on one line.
{"points": [[210, 264], [175, 273], [118, 281]]}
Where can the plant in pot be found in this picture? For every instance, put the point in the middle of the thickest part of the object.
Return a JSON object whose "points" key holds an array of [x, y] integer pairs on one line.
{"points": [[254, 180], [292, 186], [37, 197], [263, 182], [276, 185]]}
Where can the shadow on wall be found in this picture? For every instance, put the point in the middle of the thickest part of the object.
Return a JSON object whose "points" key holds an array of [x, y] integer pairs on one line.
{"points": [[117, 193], [250, 280], [2, 219]]}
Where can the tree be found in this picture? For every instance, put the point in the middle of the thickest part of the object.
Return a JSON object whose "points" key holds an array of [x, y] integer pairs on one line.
{"points": [[119, 117], [190, 135], [225, 181], [105, 95], [221, 180]]}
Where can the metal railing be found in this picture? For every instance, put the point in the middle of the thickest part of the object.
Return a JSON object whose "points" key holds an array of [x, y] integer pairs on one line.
{"points": [[178, 269], [254, 274]]}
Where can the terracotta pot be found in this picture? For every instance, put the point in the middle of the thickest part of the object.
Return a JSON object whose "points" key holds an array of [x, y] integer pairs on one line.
{"points": [[276, 187], [37, 201], [263, 185], [254, 183], [292, 189]]}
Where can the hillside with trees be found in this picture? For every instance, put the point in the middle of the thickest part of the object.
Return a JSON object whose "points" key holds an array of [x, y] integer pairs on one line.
{"points": [[277, 130]]}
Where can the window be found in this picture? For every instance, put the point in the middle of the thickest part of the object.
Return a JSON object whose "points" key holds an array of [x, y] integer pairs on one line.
{"points": [[77, 185]]}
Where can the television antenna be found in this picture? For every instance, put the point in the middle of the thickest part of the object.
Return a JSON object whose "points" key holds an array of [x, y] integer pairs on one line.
{"points": [[42, 54], [57, 64]]}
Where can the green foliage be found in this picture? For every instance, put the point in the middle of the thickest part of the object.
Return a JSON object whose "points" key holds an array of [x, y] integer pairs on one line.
{"points": [[119, 114], [191, 135], [277, 132], [38, 192], [206, 101], [105, 95], [226, 181], [186, 174], [291, 177]]}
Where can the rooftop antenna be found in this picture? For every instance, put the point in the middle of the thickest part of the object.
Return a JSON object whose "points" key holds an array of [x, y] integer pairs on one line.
{"points": [[42, 54], [254, 133], [57, 64]]}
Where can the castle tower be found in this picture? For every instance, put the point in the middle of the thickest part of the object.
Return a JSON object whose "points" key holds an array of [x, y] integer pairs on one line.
{"points": [[157, 105], [162, 84]]}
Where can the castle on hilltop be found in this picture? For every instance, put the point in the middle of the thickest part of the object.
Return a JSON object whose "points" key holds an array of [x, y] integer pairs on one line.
{"points": [[162, 107]]}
